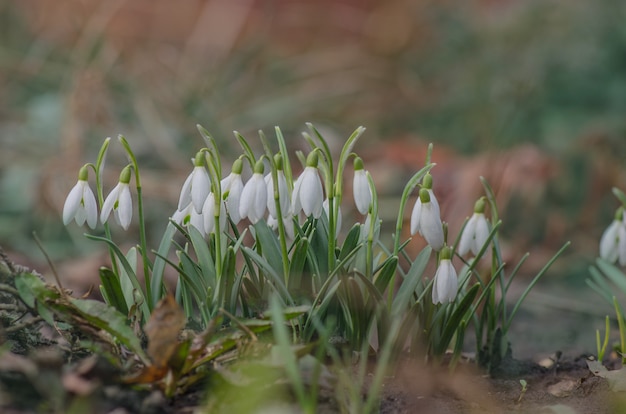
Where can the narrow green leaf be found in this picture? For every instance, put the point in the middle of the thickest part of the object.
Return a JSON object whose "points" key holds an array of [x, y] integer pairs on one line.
{"points": [[454, 322], [158, 269], [113, 290], [386, 273], [205, 259], [351, 241], [145, 308], [271, 249], [277, 281], [108, 319], [409, 285], [298, 259]]}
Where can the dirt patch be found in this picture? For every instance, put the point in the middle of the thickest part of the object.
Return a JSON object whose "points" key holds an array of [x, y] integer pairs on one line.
{"points": [[567, 387]]}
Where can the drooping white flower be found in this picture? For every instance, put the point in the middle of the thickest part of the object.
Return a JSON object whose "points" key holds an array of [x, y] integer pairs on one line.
{"points": [[253, 200], [272, 222], [208, 214], [361, 187], [189, 217], [445, 283], [307, 192], [197, 185], [613, 240], [232, 187], [119, 201], [476, 231], [283, 195], [426, 220], [80, 204]]}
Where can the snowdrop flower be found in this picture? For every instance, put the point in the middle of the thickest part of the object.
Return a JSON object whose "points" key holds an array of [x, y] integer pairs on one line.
{"points": [[445, 282], [476, 231], [361, 187], [613, 240], [119, 201], [272, 222], [196, 187], [189, 217], [232, 187], [284, 200], [80, 204], [209, 216], [254, 196], [307, 192], [425, 219]]}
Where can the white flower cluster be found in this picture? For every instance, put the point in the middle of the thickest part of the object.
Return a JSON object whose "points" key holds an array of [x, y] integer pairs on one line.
{"points": [[281, 203], [80, 204]]}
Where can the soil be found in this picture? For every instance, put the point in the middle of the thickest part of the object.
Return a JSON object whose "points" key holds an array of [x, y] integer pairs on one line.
{"points": [[566, 387]]}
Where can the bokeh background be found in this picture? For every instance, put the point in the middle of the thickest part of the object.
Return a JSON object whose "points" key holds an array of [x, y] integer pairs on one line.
{"points": [[528, 93]]}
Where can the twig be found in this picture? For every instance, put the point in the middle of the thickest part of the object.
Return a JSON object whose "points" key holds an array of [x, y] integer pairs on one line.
{"points": [[54, 271], [23, 325]]}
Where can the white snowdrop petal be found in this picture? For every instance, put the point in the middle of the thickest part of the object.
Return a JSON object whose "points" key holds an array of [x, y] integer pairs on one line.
{"points": [[200, 187], [415, 217], [109, 203], [481, 233], [90, 207], [125, 207], [311, 193], [234, 199], [72, 203], [465, 243], [361, 191], [609, 242], [185, 193], [434, 201], [431, 226]]}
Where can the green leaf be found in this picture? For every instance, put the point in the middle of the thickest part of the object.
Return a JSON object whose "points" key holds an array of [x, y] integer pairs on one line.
{"points": [[105, 317], [126, 283], [454, 322], [411, 280], [270, 247], [298, 259], [158, 269], [205, 259], [351, 241], [128, 268], [388, 269], [112, 290], [277, 281]]}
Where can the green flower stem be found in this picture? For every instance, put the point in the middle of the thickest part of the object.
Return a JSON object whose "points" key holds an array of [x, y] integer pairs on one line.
{"points": [[99, 167], [286, 163], [277, 162], [410, 185], [212, 157], [370, 236], [142, 225]]}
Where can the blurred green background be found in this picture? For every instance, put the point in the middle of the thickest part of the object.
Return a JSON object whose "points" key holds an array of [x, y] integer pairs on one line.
{"points": [[530, 94]]}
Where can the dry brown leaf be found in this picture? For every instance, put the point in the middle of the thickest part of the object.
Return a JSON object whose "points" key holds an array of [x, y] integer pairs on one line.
{"points": [[162, 330], [166, 322]]}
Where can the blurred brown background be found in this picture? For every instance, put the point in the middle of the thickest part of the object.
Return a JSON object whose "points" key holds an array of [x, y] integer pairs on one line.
{"points": [[530, 94]]}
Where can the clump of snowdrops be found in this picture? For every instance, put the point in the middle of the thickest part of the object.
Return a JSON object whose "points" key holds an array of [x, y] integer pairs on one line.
{"points": [[257, 233]]}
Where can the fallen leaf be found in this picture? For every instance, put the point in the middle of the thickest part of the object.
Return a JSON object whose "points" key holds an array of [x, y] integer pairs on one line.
{"points": [[162, 330], [166, 322], [616, 378], [563, 388]]}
